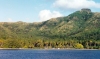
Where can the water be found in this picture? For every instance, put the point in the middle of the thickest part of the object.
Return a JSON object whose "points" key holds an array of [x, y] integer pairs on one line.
{"points": [[49, 54]]}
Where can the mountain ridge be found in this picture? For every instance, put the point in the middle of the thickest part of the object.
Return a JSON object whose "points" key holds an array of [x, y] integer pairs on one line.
{"points": [[70, 26]]}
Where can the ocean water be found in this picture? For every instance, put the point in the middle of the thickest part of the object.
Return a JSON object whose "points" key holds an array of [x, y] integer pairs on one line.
{"points": [[49, 54]]}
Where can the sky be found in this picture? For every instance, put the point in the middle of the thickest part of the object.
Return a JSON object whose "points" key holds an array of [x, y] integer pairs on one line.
{"points": [[42, 10]]}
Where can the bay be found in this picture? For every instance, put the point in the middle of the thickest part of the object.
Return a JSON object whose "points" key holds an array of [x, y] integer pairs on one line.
{"points": [[49, 54]]}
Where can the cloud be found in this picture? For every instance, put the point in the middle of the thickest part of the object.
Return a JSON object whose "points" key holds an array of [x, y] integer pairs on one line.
{"points": [[76, 4], [47, 14], [9, 20]]}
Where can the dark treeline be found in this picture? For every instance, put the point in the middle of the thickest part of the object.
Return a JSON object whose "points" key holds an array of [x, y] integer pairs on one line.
{"points": [[78, 44]]}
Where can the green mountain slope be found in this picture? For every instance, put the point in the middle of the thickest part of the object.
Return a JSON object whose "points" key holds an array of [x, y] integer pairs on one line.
{"points": [[79, 25]]}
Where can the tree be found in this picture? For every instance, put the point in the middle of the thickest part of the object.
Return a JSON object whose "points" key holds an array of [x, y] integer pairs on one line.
{"points": [[1, 43], [11, 43], [78, 46]]}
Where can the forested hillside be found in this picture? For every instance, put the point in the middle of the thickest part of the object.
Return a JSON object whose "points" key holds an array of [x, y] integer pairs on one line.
{"points": [[80, 29]]}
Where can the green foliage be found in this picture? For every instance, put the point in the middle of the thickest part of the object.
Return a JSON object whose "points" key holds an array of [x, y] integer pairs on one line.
{"points": [[81, 25], [10, 43], [78, 46]]}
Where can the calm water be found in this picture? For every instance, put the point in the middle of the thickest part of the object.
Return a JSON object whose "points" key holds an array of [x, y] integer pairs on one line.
{"points": [[49, 54]]}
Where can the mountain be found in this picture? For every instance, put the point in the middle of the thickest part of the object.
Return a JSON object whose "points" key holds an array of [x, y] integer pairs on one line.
{"points": [[80, 25]]}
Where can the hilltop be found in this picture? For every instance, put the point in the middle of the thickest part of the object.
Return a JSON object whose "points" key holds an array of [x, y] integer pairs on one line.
{"points": [[80, 25]]}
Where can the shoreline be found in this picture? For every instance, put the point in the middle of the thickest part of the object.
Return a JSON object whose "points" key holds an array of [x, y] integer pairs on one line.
{"points": [[44, 49]]}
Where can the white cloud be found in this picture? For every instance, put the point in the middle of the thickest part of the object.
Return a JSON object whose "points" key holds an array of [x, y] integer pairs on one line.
{"points": [[47, 14], [9, 20], [76, 4]]}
